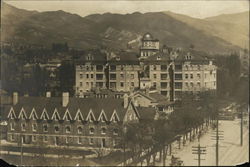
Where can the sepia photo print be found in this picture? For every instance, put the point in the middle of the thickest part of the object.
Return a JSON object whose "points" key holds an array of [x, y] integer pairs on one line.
{"points": [[124, 83]]}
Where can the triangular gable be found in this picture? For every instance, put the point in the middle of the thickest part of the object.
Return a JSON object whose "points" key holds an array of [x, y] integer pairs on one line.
{"points": [[44, 115], [139, 93], [33, 114], [11, 114], [131, 113], [90, 115], [55, 115], [22, 114], [114, 116], [102, 114], [67, 115], [79, 115]]}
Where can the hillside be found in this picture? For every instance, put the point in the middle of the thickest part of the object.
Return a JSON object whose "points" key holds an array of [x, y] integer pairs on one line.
{"points": [[108, 30], [233, 28]]}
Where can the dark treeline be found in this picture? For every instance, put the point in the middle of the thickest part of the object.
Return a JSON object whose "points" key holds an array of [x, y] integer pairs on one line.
{"points": [[230, 81]]}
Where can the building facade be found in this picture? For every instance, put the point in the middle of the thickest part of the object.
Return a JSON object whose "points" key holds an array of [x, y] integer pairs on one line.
{"points": [[169, 71], [94, 122]]}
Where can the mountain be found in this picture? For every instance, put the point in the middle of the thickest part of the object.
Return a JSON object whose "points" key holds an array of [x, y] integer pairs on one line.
{"points": [[233, 28], [109, 30]]}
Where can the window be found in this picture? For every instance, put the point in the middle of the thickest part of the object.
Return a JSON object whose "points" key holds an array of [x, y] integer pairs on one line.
{"points": [[91, 131], [132, 84], [164, 85], [87, 68], [186, 76], [112, 68], [99, 67], [199, 76], [178, 85], [164, 76], [154, 84], [115, 132], [79, 130], [80, 75], [67, 140], [87, 75], [103, 131], [12, 138], [45, 128], [12, 126], [45, 138], [33, 138], [99, 76], [191, 84], [191, 76], [87, 84], [67, 129], [122, 84], [121, 76], [198, 84], [80, 83], [163, 67], [155, 76], [23, 125], [113, 76], [34, 127], [56, 128], [92, 76], [178, 76], [154, 67], [186, 84], [91, 141], [132, 76], [79, 140]]}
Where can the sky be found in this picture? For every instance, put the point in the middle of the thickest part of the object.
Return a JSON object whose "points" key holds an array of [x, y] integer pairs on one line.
{"points": [[195, 8]]}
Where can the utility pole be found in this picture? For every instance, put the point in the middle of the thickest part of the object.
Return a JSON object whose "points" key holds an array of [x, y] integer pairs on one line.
{"points": [[199, 151], [218, 136]]}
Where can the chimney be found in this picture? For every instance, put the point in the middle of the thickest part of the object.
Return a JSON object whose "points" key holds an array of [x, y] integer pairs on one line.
{"points": [[125, 100], [15, 98], [65, 99], [48, 94]]}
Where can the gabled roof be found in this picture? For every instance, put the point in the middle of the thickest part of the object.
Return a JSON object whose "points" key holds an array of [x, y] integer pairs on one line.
{"points": [[146, 113]]}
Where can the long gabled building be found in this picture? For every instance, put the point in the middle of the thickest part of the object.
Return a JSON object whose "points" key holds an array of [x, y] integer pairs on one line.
{"points": [[93, 122]]}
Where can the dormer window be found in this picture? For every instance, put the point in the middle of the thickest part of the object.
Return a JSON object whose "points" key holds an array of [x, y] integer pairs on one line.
{"points": [[67, 129], [103, 131], [23, 125], [91, 130], [45, 128], [79, 130], [12, 126], [34, 127], [115, 132], [56, 128]]}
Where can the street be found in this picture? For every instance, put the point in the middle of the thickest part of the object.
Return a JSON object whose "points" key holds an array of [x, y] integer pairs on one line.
{"points": [[230, 151]]}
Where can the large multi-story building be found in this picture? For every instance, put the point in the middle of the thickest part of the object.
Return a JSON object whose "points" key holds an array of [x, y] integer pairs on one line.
{"points": [[168, 71]]}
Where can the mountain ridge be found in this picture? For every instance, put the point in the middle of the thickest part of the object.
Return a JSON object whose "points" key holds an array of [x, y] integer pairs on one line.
{"points": [[110, 30]]}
